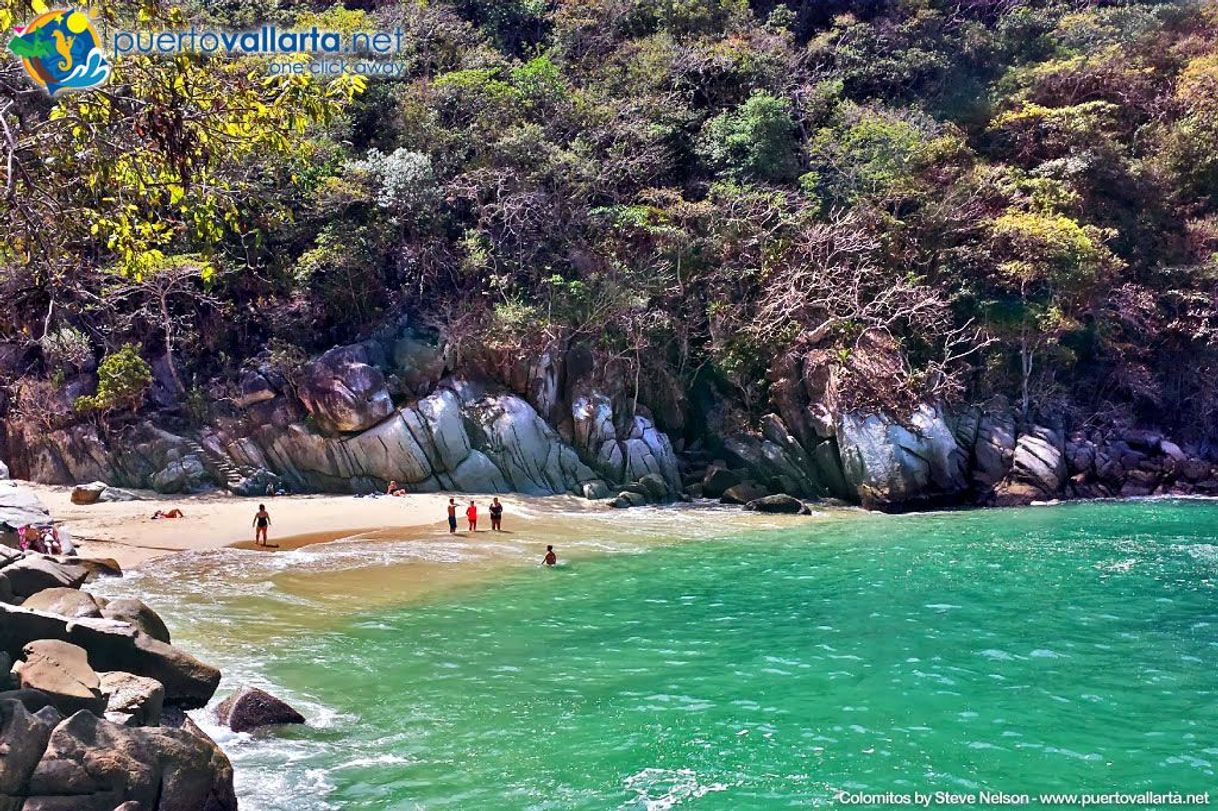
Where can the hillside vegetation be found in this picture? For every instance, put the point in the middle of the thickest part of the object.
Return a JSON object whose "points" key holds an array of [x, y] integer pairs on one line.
{"points": [[940, 199]]}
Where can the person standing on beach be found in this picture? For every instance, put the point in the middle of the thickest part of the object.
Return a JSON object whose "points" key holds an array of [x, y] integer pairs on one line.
{"points": [[471, 513], [496, 515], [550, 559], [452, 516], [262, 521]]}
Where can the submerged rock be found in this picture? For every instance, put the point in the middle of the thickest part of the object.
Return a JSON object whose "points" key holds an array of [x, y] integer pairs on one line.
{"points": [[250, 708], [779, 503]]}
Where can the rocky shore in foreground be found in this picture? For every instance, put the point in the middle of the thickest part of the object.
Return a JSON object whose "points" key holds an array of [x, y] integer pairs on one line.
{"points": [[93, 699]]}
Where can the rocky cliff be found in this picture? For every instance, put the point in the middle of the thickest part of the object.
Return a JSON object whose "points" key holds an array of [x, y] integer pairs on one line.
{"points": [[397, 408]]}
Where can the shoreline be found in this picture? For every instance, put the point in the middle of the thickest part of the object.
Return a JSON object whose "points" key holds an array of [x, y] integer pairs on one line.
{"points": [[125, 531]]}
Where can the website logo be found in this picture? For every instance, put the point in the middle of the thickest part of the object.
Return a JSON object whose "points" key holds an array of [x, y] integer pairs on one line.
{"points": [[61, 50]]}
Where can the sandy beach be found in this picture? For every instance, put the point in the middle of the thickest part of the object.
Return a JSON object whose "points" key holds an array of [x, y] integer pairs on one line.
{"points": [[125, 530]]}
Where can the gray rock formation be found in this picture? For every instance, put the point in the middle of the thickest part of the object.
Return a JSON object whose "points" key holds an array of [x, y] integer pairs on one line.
{"points": [[1038, 468], [887, 462], [23, 739], [19, 507], [344, 392], [744, 492]]}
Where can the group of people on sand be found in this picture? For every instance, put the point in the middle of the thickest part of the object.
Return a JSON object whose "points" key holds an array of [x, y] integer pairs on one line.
{"points": [[262, 522], [471, 515]]}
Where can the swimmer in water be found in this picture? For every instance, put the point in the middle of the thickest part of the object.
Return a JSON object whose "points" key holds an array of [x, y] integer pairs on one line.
{"points": [[550, 559]]}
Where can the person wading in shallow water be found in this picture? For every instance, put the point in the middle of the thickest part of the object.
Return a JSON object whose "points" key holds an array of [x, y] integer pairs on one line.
{"points": [[452, 515], [496, 515], [471, 513], [262, 521], [550, 559]]}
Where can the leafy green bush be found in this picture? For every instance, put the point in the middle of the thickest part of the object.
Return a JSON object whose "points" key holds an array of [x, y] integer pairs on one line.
{"points": [[756, 140], [123, 378]]}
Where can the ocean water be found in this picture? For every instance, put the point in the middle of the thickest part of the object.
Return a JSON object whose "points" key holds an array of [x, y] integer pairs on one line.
{"points": [[1059, 649]]}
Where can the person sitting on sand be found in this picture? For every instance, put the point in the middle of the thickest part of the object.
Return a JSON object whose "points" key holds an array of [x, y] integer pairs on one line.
{"points": [[550, 559], [174, 513], [471, 514], [452, 515], [394, 490], [496, 515], [262, 521]]}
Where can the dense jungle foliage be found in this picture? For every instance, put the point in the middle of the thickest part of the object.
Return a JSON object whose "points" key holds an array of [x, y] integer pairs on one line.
{"points": [[944, 198]]}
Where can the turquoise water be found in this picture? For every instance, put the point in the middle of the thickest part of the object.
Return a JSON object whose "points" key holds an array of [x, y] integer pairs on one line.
{"points": [[1068, 649]]}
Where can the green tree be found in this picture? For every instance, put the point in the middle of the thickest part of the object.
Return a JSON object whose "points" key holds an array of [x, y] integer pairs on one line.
{"points": [[757, 140]]}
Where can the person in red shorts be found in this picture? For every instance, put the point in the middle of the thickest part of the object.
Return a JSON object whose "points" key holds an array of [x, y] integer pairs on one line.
{"points": [[471, 513]]}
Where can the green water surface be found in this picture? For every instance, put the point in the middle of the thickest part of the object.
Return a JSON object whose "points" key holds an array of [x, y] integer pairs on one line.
{"points": [[1070, 649]]}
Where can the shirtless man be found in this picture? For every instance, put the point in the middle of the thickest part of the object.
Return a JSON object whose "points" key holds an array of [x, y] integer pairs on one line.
{"points": [[550, 559]]}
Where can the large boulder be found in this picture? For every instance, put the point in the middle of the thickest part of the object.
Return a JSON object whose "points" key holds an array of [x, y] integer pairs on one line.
{"points": [[994, 448], [1039, 461], [61, 670], [113, 645], [743, 493], [620, 452], [891, 463], [65, 602], [24, 734], [717, 480], [656, 489], [185, 473], [133, 701], [33, 700], [88, 493], [20, 506], [344, 392], [137, 613], [33, 574], [418, 364], [779, 503], [96, 567], [91, 764], [250, 708]]}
